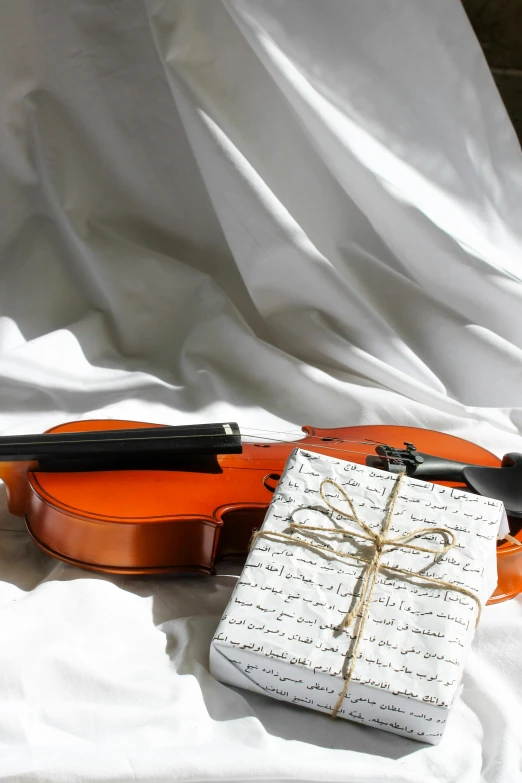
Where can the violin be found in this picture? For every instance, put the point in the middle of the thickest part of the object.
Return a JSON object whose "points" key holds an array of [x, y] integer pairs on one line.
{"points": [[125, 497]]}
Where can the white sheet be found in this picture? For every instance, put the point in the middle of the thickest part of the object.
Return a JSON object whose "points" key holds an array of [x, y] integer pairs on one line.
{"points": [[274, 212]]}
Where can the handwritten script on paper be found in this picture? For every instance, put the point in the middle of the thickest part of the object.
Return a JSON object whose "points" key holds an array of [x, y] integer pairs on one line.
{"points": [[278, 632]]}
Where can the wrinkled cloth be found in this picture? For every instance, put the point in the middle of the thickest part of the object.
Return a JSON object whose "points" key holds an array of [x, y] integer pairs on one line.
{"points": [[275, 213]]}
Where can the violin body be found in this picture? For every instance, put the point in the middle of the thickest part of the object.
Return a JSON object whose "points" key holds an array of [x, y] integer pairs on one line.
{"points": [[187, 516]]}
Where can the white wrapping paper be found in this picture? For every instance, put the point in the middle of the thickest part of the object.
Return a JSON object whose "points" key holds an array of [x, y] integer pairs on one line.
{"points": [[278, 635]]}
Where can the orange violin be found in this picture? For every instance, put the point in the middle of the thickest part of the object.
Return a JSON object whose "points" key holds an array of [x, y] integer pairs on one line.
{"points": [[134, 498]]}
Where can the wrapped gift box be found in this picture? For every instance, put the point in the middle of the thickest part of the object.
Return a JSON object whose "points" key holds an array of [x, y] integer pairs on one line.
{"points": [[278, 634]]}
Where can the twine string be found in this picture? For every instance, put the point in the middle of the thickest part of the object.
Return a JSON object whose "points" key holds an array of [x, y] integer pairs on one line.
{"points": [[372, 561]]}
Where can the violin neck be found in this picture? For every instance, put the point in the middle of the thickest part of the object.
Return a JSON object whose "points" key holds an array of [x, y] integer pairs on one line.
{"points": [[140, 443]]}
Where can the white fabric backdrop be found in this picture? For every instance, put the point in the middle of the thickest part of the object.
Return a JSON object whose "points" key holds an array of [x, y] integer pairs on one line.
{"points": [[275, 212]]}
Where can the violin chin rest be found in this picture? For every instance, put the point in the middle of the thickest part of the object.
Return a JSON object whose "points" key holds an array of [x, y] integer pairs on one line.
{"points": [[503, 483]]}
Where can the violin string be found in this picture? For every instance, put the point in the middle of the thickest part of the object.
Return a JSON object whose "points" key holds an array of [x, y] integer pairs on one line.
{"points": [[302, 433], [305, 443], [305, 438], [337, 451], [280, 432], [158, 435], [364, 441], [314, 446]]}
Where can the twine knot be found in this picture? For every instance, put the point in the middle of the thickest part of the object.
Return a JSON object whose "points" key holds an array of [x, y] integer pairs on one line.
{"points": [[381, 543]]}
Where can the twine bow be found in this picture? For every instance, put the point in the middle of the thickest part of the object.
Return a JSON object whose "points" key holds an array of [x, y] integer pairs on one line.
{"points": [[373, 561]]}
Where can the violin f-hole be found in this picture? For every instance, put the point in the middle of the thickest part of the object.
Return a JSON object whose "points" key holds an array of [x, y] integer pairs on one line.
{"points": [[271, 481]]}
